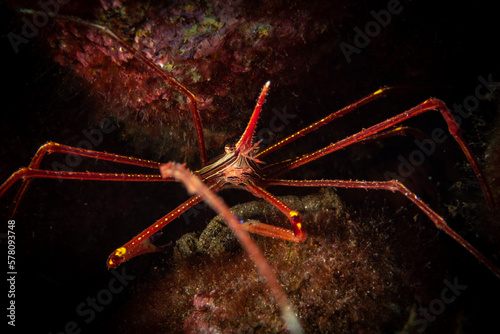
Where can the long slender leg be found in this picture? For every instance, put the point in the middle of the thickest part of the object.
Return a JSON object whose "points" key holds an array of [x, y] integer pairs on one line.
{"points": [[393, 185], [401, 131], [194, 185], [279, 168], [141, 243], [297, 234], [382, 92], [52, 147], [29, 173], [397, 131], [369, 98], [147, 62]]}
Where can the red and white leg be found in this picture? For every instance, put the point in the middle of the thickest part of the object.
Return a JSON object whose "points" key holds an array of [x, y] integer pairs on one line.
{"points": [[393, 185], [296, 234], [279, 168], [33, 171]]}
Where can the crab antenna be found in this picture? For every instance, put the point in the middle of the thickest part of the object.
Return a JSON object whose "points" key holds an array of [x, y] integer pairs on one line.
{"points": [[245, 141]]}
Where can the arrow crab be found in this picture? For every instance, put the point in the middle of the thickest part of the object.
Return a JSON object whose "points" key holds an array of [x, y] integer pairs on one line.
{"points": [[243, 166]]}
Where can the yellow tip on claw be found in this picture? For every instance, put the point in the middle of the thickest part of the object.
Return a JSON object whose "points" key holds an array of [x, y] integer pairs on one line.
{"points": [[120, 251]]}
